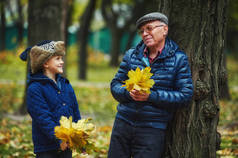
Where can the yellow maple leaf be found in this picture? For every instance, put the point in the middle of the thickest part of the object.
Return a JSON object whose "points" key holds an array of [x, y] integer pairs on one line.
{"points": [[139, 80], [77, 135]]}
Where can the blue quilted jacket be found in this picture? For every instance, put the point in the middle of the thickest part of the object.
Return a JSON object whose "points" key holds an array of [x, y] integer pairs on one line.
{"points": [[173, 86], [46, 103]]}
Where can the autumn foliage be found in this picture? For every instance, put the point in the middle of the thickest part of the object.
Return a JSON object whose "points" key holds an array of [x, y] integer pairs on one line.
{"points": [[139, 80], [77, 135]]}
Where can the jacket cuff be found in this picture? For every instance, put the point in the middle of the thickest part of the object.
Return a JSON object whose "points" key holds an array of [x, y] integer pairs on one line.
{"points": [[127, 94]]}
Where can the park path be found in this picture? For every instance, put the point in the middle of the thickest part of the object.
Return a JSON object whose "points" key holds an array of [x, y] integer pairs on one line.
{"points": [[75, 83]]}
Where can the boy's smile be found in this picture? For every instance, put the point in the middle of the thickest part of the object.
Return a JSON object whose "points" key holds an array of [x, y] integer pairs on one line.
{"points": [[54, 65]]}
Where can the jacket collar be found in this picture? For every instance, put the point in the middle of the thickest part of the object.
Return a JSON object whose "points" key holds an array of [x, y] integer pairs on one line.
{"points": [[40, 77], [169, 49]]}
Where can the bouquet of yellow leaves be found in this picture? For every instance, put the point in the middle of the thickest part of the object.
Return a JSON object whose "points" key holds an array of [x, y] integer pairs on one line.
{"points": [[77, 135], [139, 80]]}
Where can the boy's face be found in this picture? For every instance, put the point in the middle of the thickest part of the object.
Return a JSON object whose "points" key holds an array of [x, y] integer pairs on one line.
{"points": [[54, 65]]}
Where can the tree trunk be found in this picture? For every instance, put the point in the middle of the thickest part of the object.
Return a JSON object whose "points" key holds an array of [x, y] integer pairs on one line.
{"points": [[69, 8], [198, 28], [20, 23], [3, 26], [45, 22], [83, 33], [223, 81], [132, 34], [67, 18], [115, 47]]}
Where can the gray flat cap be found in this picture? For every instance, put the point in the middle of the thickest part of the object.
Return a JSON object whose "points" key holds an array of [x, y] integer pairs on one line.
{"points": [[151, 17]]}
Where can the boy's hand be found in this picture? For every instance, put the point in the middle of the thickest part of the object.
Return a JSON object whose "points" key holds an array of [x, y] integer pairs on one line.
{"points": [[63, 145]]}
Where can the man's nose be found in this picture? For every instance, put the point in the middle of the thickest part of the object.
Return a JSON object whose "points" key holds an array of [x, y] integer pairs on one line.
{"points": [[144, 33]]}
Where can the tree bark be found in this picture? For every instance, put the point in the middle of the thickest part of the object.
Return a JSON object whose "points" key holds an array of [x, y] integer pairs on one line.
{"points": [[45, 22], [83, 33], [223, 81], [199, 29]]}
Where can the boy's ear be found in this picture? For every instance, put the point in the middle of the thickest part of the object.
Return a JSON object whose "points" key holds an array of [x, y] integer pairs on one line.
{"points": [[46, 65]]}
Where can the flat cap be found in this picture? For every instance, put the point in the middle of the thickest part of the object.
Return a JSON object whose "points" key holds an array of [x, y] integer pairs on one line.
{"points": [[151, 17]]}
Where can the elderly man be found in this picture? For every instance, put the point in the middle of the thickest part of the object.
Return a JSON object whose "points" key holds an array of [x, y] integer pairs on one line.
{"points": [[142, 118]]}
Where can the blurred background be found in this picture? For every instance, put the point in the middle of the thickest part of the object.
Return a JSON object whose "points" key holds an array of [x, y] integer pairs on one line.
{"points": [[97, 33]]}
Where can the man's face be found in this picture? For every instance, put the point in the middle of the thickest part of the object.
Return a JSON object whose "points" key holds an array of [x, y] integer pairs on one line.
{"points": [[153, 33]]}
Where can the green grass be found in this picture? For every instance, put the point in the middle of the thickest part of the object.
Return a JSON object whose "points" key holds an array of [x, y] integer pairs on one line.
{"points": [[232, 67], [96, 73], [12, 68], [96, 103]]}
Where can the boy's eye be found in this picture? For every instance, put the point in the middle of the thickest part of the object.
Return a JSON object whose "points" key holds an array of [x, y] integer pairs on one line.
{"points": [[58, 57]]}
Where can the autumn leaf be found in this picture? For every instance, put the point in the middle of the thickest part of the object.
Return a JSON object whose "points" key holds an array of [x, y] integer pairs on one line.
{"points": [[5, 138], [77, 135], [139, 80]]}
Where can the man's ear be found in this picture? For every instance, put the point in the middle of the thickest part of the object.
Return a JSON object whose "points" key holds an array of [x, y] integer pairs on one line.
{"points": [[166, 28]]}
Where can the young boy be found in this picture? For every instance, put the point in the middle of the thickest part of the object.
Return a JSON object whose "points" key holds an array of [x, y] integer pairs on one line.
{"points": [[49, 96]]}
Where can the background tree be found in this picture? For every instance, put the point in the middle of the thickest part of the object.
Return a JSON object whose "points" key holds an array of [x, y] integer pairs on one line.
{"points": [[20, 22], [67, 18], [120, 16], [69, 13], [83, 33], [45, 22], [15, 8], [3, 25], [199, 29], [232, 29], [231, 48]]}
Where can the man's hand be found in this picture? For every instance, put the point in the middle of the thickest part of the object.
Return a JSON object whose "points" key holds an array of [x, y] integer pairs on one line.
{"points": [[139, 96]]}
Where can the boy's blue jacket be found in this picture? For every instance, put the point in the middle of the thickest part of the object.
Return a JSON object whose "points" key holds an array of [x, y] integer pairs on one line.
{"points": [[173, 86], [46, 103]]}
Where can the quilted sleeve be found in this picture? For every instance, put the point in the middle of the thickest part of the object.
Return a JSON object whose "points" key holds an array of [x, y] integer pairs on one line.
{"points": [[118, 92], [39, 111], [182, 93]]}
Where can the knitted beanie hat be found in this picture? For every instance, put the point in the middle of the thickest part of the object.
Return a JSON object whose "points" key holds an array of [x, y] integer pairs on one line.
{"points": [[40, 54]]}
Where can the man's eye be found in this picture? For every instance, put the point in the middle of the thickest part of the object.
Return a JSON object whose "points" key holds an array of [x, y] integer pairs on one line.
{"points": [[149, 28]]}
